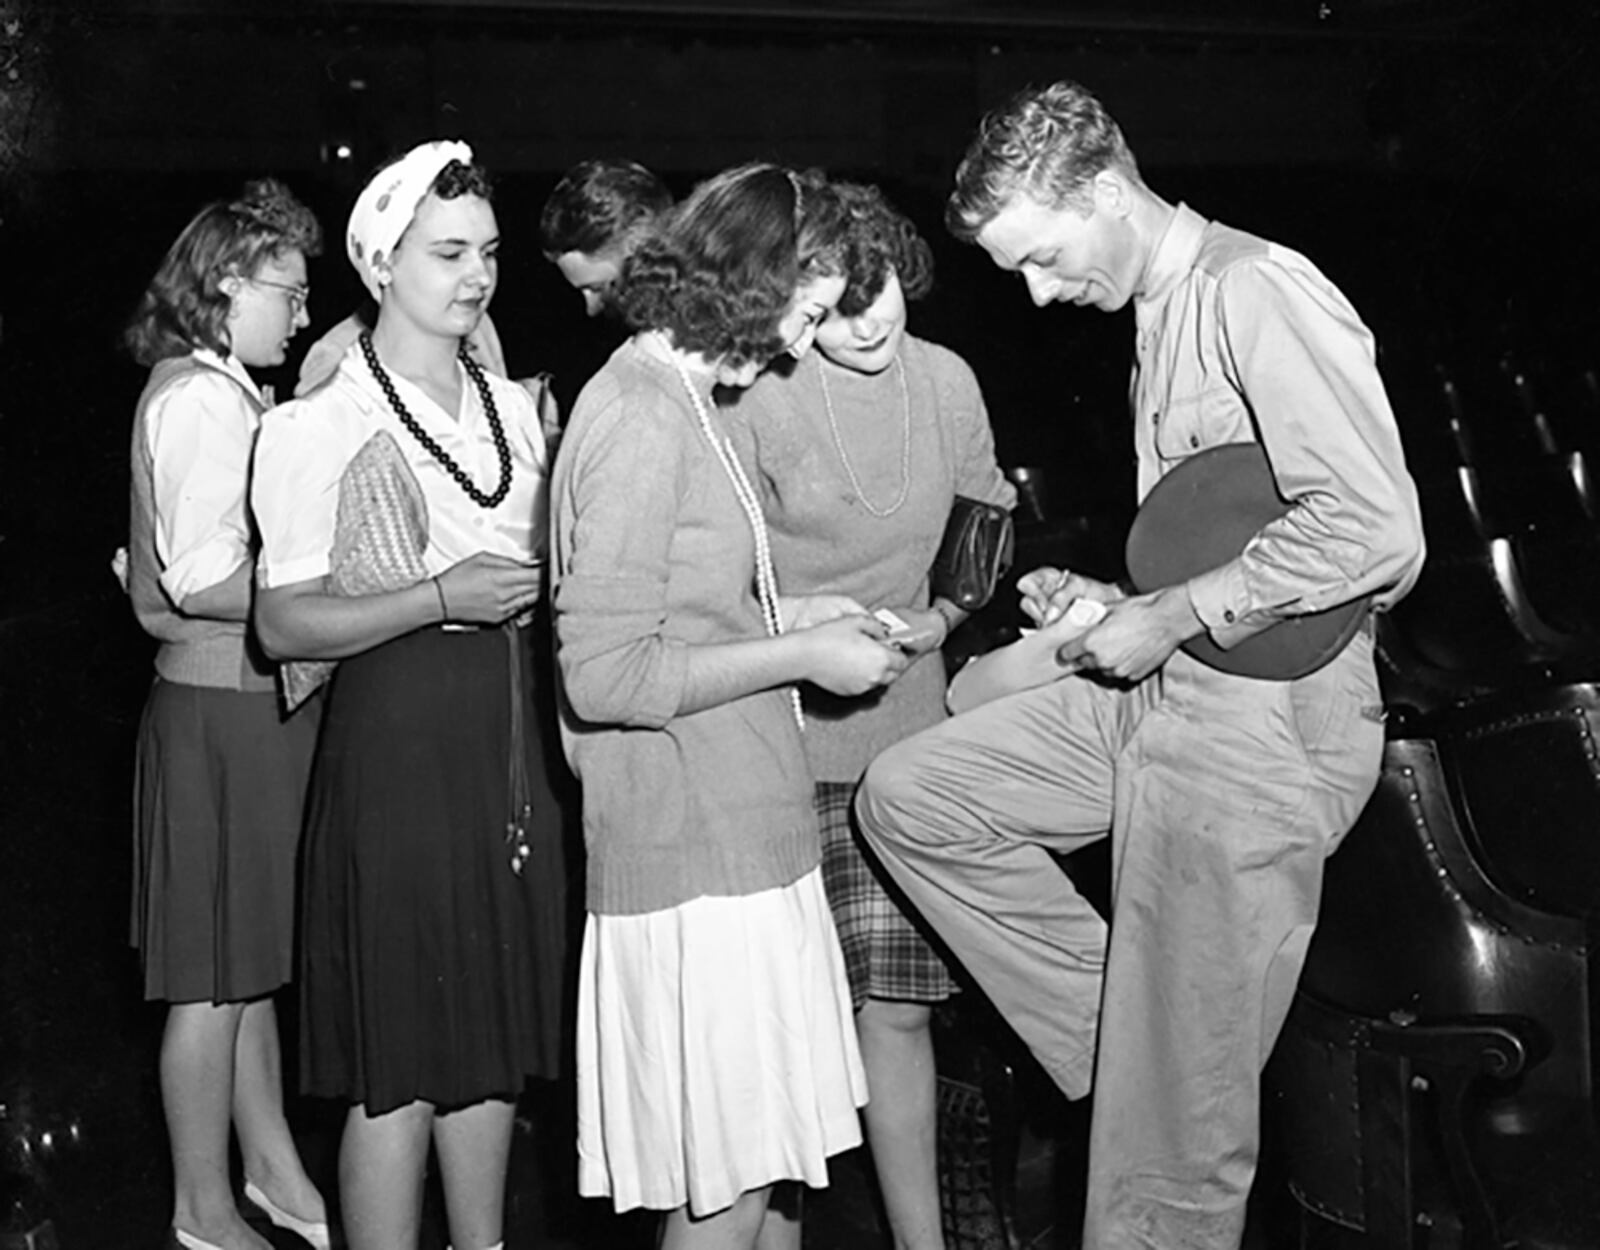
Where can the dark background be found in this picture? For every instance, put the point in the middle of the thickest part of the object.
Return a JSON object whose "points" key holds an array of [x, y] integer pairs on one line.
{"points": [[1437, 160]]}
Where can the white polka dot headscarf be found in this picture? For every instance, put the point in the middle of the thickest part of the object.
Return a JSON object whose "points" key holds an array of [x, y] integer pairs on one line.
{"points": [[387, 204]]}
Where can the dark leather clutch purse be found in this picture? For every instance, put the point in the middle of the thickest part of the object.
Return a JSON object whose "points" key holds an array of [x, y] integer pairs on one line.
{"points": [[975, 553]]}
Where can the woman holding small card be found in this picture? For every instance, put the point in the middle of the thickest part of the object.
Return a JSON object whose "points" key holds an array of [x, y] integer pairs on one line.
{"points": [[862, 449], [716, 1060]]}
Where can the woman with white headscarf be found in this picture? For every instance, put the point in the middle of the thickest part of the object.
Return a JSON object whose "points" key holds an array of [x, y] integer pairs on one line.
{"points": [[402, 510]]}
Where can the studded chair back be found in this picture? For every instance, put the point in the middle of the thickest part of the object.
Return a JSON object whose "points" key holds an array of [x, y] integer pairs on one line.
{"points": [[1438, 1065]]}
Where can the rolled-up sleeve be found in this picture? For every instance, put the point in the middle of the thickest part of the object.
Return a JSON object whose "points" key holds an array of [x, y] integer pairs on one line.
{"points": [[295, 496], [200, 431], [1304, 364], [617, 508]]}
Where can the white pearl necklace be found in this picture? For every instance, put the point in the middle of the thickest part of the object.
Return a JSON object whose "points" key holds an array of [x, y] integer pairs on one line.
{"points": [[905, 442], [766, 576]]}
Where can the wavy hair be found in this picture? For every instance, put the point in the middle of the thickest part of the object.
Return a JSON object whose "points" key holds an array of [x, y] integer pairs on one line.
{"points": [[719, 272], [1047, 143], [880, 240], [460, 178], [184, 307], [599, 205]]}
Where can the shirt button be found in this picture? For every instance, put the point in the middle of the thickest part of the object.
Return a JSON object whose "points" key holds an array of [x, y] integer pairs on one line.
{"points": [[1194, 440], [1227, 615]]}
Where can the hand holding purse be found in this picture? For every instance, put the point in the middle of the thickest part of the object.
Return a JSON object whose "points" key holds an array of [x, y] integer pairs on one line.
{"points": [[974, 555]]}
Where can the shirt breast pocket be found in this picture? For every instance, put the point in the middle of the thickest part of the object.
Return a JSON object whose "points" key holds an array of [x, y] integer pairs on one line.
{"points": [[1196, 420]]}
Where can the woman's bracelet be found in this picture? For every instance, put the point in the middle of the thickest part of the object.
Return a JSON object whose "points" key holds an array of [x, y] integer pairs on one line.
{"points": [[444, 608]]}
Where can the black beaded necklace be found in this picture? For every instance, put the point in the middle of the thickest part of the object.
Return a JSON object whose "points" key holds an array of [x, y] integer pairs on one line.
{"points": [[501, 447]]}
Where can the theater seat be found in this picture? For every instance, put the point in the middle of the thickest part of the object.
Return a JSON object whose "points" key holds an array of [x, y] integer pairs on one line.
{"points": [[1434, 1083], [1469, 616]]}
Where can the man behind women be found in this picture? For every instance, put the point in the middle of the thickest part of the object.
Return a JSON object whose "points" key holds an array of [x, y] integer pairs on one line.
{"points": [[593, 218], [861, 449], [1222, 794], [402, 510], [221, 775], [716, 1056]]}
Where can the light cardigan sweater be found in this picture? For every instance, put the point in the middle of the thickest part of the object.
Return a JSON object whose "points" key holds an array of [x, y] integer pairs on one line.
{"points": [[652, 556], [826, 541]]}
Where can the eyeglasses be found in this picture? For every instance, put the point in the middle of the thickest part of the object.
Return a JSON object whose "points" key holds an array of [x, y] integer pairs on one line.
{"points": [[298, 295]]}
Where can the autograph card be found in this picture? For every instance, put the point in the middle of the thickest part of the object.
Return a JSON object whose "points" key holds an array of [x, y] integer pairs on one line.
{"points": [[901, 633]]}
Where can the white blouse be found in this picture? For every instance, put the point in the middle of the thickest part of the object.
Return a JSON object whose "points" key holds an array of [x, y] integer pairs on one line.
{"points": [[305, 445], [200, 430]]}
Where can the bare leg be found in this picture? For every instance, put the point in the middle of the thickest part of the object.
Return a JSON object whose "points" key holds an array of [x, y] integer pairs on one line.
{"points": [[265, 1143], [474, 1144], [197, 1072], [734, 1228], [381, 1164], [901, 1117], [780, 1223]]}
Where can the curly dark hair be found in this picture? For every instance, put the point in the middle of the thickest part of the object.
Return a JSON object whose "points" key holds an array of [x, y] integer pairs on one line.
{"points": [[459, 178], [720, 271], [881, 240], [184, 307], [599, 205]]}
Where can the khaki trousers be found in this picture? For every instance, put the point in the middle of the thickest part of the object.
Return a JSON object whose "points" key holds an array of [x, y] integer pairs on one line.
{"points": [[1223, 796]]}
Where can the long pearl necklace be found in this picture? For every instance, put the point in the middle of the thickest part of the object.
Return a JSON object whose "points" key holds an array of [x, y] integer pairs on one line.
{"points": [[766, 577], [905, 442]]}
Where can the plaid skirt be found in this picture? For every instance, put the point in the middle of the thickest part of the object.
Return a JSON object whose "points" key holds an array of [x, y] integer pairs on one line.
{"points": [[889, 951]]}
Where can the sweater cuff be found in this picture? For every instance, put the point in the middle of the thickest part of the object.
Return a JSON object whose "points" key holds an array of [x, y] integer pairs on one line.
{"points": [[618, 667], [662, 696]]}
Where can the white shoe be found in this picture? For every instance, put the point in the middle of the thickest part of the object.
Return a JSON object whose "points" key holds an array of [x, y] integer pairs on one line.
{"points": [[316, 1234]]}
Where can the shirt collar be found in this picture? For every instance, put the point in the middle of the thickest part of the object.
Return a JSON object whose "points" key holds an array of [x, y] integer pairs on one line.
{"points": [[1174, 254], [233, 367], [418, 402]]}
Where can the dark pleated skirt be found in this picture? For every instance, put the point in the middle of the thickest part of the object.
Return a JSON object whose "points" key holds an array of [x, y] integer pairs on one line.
{"points": [[219, 788], [431, 970]]}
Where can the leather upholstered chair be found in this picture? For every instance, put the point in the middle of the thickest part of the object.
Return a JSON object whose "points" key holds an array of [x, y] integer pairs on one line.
{"points": [[1434, 1085]]}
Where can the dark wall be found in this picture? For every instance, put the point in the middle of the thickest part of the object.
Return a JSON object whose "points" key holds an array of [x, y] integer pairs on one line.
{"points": [[1438, 171]]}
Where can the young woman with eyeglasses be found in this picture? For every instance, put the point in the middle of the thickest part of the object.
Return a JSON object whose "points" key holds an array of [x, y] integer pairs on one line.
{"points": [[221, 772]]}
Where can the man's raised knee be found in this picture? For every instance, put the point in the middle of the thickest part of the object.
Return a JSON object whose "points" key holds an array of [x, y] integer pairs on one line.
{"points": [[889, 786]]}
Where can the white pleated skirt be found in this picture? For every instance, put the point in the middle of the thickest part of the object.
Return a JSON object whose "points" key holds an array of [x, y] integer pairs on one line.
{"points": [[716, 1050]]}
